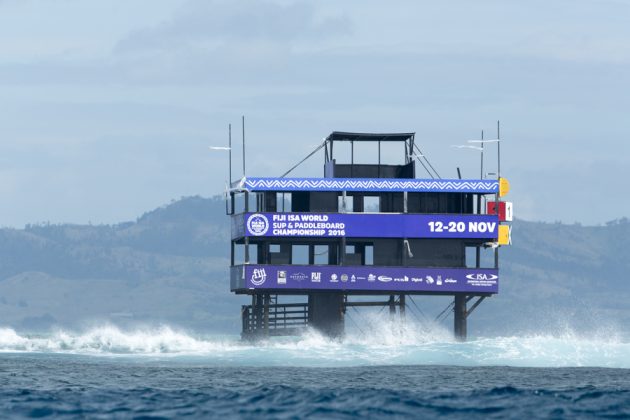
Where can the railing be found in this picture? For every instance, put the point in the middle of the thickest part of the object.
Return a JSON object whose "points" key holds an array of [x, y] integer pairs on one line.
{"points": [[274, 319]]}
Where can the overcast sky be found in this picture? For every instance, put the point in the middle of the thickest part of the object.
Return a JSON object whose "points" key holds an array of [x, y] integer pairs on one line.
{"points": [[107, 107]]}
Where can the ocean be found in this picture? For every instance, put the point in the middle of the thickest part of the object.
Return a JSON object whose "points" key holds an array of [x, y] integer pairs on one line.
{"points": [[163, 372]]}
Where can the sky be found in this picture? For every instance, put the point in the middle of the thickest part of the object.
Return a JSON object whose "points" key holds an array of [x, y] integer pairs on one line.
{"points": [[107, 107]]}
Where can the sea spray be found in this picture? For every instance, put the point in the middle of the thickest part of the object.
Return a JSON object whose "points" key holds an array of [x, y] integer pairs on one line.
{"points": [[380, 344]]}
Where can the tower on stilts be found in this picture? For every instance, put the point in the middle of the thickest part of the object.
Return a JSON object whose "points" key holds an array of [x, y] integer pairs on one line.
{"points": [[304, 249]]}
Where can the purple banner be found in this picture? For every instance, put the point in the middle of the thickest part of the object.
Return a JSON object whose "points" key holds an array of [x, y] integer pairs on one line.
{"points": [[365, 225], [365, 278]]}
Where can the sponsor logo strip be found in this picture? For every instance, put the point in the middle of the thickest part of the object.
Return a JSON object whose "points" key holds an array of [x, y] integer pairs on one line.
{"points": [[368, 278]]}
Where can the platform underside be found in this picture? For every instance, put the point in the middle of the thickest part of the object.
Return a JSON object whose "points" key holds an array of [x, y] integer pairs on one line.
{"points": [[356, 293], [325, 311]]}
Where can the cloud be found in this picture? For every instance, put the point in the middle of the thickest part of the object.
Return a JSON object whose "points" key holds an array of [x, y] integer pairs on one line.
{"points": [[209, 24], [301, 69], [214, 42]]}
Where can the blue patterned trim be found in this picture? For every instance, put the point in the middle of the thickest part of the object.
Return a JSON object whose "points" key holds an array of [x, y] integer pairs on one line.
{"points": [[370, 184]]}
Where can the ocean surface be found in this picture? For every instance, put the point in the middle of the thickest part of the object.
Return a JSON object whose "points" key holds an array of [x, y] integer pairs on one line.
{"points": [[162, 372]]}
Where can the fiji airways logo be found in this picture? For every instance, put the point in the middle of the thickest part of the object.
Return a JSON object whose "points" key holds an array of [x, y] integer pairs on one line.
{"points": [[481, 276], [258, 276], [257, 224]]}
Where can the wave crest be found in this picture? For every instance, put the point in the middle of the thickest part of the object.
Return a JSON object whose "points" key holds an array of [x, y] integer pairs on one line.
{"points": [[384, 344], [109, 339]]}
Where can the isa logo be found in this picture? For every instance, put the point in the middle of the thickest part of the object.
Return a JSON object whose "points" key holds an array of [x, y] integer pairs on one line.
{"points": [[481, 276], [257, 224]]}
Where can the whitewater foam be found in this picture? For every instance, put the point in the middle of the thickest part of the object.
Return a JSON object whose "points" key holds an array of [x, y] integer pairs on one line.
{"points": [[112, 340], [385, 345]]}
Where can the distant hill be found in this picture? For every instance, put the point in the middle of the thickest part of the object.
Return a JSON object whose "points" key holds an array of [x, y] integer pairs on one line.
{"points": [[558, 274], [167, 266], [170, 266]]}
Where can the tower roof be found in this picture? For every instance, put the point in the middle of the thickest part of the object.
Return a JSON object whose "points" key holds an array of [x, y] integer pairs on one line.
{"points": [[345, 136]]}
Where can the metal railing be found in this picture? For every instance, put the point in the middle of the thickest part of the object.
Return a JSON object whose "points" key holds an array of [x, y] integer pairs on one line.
{"points": [[274, 319]]}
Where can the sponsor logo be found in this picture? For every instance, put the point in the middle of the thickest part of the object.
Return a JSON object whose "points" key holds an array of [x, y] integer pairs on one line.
{"points": [[344, 278], [316, 277], [439, 281], [450, 280], [360, 278], [430, 280], [481, 276], [384, 279], [257, 224], [353, 278], [258, 276], [333, 278], [282, 277], [298, 276], [417, 279], [371, 277]]}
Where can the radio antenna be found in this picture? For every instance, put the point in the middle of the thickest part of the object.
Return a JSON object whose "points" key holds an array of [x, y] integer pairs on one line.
{"points": [[243, 124], [230, 152]]}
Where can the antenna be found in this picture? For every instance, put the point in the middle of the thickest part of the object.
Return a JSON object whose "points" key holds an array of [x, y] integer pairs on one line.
{"points": [[498, 149], [482, 154], [230, 152], [243, 123], [459, 173], [496, 250]]}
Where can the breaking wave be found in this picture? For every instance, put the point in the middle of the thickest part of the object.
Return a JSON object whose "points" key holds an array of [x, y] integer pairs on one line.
{"points": [[382, 345]]}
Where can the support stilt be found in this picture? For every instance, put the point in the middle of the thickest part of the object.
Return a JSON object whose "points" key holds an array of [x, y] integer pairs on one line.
{"points": [[258, 311], [326, 312], [267, 301], [460, 315], [402, 306], [392, 307]]}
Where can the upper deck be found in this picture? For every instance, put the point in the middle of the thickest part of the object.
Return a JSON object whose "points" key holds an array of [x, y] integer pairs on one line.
{"points": [[364, 228]]}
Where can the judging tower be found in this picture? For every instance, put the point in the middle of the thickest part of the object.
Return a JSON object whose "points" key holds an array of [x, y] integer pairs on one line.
{"points": [[304, 249]]}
